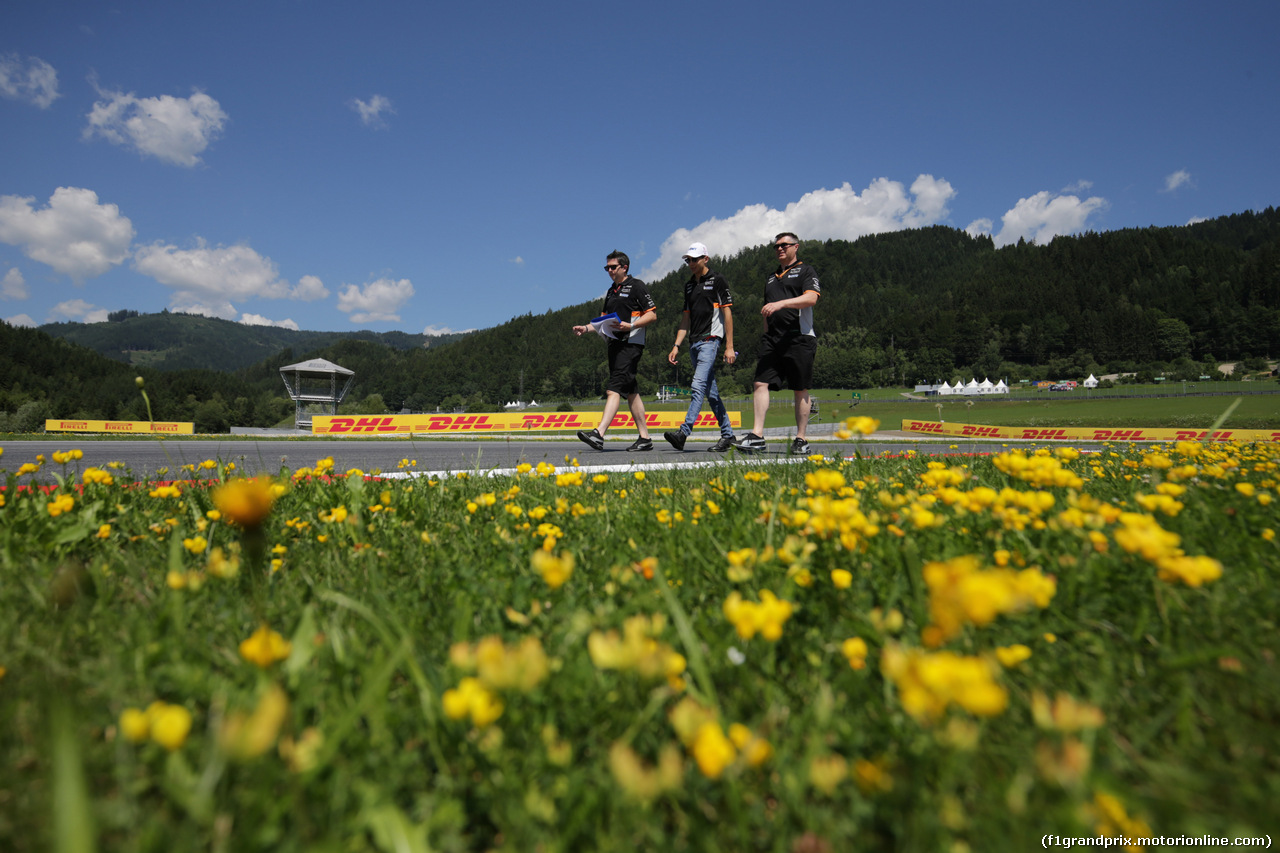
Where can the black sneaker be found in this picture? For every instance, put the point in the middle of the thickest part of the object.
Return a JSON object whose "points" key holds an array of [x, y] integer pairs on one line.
{"points": [[593, 438], [675, 439], [641, 444], [749, 443], [725, 442], [799, 447]]}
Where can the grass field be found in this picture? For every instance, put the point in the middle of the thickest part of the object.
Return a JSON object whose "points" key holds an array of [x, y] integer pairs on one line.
{"points": [[831, 655]]}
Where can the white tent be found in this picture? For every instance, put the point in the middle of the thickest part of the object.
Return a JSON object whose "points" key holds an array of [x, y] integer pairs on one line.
{"points": [[985, 387], [972, 387], [1091, 382], [1000, 388], [945, 389]]}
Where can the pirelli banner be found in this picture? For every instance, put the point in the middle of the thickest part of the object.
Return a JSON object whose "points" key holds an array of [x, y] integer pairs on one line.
{"points": [[505, 422], [123, 427], [1087, 433]]}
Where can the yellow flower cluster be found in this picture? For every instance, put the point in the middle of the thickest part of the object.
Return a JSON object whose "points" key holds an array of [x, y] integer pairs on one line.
{"points": [[765, 618], [62, 457], [96, 475], [62, 503], [712, 749], [521, 666], [1039, 469], [929, 682], [961, 592], [167, 725], [1140, 534], [639, 649], [644, 782], [498, 667], [1111, 820], [247, 736]]}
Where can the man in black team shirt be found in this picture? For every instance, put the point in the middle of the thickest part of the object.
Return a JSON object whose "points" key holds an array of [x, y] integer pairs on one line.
{"points": [[707, 320], [788, 344], [629, 298]]}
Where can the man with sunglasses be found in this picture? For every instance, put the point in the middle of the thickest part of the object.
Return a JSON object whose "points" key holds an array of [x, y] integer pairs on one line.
{"points": [[707, 320], [630, 299], [788, 345]]}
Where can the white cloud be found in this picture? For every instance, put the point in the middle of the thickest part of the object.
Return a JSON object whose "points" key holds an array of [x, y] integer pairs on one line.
{"points": [[175, 130], [1180, 178], [259, 320], [517, 260], [1040, 218], [77, 311], [34, 81], [21, 320], [75, 234], [1078, 187], [376, 302], [371, 110], [444, 330], [13, 286], [823, 214], [1193, 220], [309, 289], [207, 279]]}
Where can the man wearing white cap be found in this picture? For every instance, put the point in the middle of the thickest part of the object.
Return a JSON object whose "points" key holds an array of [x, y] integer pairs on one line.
{"points": [[707, 321]]}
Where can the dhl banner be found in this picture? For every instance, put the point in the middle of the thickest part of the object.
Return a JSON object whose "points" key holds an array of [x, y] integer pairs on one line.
{"points": [[1088, 433], [505, 422], [126, 427]]}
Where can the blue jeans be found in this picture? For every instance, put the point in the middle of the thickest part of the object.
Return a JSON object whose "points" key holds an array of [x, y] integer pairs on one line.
{"points": [[704, 385]]}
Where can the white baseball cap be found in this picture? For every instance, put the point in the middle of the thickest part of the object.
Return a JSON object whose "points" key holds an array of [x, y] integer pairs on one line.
{"points": [[697, 250]]}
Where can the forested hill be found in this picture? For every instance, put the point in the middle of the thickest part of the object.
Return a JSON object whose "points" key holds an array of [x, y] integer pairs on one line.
{"points": [[172, 341], [928, 305], [923, 305]]}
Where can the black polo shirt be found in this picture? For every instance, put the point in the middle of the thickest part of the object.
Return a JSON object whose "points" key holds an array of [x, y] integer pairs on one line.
{"points": [[629, 299], [703, 299], [788, 284]]}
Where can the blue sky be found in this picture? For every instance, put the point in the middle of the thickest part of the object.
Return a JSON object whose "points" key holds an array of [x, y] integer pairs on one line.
{"points": [[428, 166]]}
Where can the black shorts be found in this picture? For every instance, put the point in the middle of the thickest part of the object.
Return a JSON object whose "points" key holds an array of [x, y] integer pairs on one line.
{"points": [[624, 361], [787, 362]]}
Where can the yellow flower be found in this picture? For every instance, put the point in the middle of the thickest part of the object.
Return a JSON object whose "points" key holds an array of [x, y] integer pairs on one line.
{"points": [[245, 736], [265, 647], [165, 492], [195, 545], [863, 425], [96, 475], [640, 476], [841, 578], [170, 725], [1011, 656], [712, 751], [104, 531], [135, 725], [554, 570], [828, 771], [337, 515], [470, 698], [641, 781], [855, 651], [246, 503], [61, 504]]}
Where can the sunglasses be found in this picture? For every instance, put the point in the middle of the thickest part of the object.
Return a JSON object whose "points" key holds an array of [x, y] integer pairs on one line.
{"points": [[612, 267], [691, 260], [784, 245]]}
